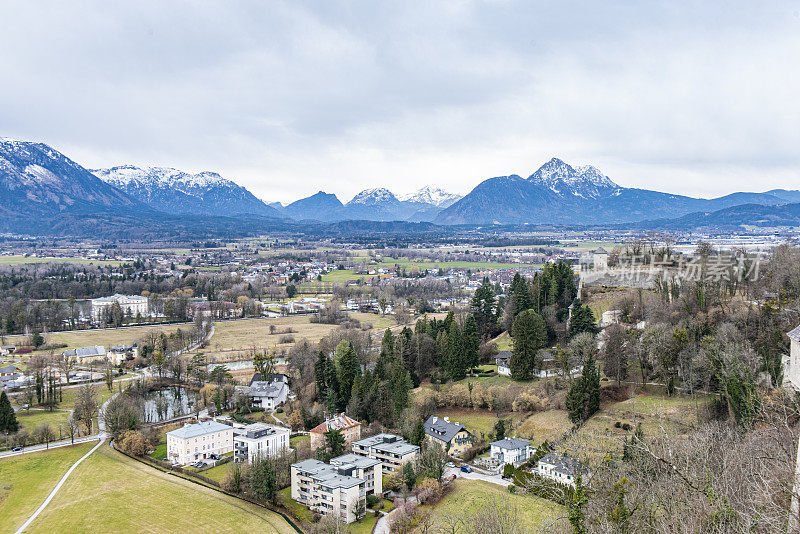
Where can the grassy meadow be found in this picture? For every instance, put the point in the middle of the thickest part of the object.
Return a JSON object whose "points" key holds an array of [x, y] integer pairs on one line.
{"points": [[27, 479], [110, 492]]}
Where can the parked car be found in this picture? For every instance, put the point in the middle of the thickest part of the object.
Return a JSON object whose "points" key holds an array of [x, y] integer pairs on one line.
{"points": [[213, 456], [16, 449], [450, 464], [466, 469]]}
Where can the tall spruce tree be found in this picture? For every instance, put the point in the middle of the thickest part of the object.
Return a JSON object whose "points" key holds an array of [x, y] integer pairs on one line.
{"points": [[8, 420], [455, 353], [530, 335], [471, 343], [583, 399]]}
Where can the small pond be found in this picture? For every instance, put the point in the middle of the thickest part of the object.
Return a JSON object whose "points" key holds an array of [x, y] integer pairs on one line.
{"points": [[164, 404]]}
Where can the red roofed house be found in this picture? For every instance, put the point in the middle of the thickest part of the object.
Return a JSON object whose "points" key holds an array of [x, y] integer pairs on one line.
{"points": [[351, 430]]}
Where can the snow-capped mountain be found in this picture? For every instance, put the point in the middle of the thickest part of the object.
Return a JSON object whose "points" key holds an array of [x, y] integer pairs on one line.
{"points": [[178, 192], [377, 195], [558, 193], [432, 195], [563, 179], [43, 191]]}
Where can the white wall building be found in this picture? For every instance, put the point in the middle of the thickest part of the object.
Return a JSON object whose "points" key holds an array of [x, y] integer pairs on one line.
{"points": [[198, 441], [511, 451], [259, 439], [131, 306], [791, 371], [560, 469], [391, 450], [339, 489]]}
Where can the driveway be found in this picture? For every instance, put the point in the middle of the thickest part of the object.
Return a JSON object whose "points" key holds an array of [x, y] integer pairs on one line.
{"points": [[494, 479]]}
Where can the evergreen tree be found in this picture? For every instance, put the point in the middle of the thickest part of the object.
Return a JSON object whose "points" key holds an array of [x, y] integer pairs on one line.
{"points": [[418, 434], [320, 366], [520, 295], [8, 420], [483, 309], [577, 515], [583, 399], [349, 369], [383, 365], [530, 335], [582, 320], [334, 442], [455, 353], [471, 349], [500, 429]]}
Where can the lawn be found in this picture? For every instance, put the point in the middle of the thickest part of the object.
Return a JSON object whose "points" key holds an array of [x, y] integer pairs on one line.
{"points": [[659, 416], [474, 265], [296, 510], [25, 481], [232, 339], [364, 525], [469, 496], [300, 441], [476, 421], [217, 472], [108, 337], [34, 417], [540, 426], [342, 276], [504, 342], [110, 492]]}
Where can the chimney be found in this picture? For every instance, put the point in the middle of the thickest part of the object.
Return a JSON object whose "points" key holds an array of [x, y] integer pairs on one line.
{"points": [[435, 419], [447, 419]]}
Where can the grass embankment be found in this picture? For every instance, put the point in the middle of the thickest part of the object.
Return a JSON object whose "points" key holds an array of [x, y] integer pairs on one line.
{"points": [[468, 497], [27, 479], [110, 492]]}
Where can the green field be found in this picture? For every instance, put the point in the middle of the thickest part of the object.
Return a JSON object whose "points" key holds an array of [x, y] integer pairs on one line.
{"points": [[474, 265], [22, 260], [25, 481], [29, 419], [297, 510], [468, 497], [110, 492]]}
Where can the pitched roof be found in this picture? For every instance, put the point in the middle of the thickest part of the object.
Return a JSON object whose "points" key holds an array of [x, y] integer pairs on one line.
{"points": [[340, 422], [794, 334], [198, 429], [438, 428], [562, 464], [504, 356], [86, 352], [511, 443]]}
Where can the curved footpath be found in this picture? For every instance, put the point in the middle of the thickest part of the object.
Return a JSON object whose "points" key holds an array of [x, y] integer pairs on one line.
{"points": [[102, 436]]}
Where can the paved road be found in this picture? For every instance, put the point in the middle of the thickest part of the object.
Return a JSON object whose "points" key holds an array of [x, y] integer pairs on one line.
{"points": [[53, 445], [103, 437]]}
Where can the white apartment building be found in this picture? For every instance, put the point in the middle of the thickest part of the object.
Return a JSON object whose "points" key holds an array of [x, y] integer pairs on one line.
{"points": [[259, 439], [511, 451], [339, 489], [391, 450], [198, 441], [131, 305]]}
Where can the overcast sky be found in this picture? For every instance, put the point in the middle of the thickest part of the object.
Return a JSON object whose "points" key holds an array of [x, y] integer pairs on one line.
{"points": [[291, 98]]}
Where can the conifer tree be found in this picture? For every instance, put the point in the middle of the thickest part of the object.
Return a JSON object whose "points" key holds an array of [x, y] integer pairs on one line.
{"points": [[530, 335], [471, 343], [8, 420]]}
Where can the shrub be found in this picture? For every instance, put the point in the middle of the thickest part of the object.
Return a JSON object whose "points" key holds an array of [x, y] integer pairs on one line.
{"points": [[279, 410], [617, 425], [508, 471], [286, 339], [626, 426], [372, 501], [512, 488], [134, 443]]}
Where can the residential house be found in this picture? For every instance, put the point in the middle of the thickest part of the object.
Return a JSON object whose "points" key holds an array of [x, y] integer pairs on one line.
{"points": [[5, 350], [453, 437], [349, 427], [503, 360], [9, 370], [267, 394], [84, 355], [259, 440], [198, 441], [339, 489], [559, 468], [391, 450], [118, 354], [511, 451], [791, 371]]}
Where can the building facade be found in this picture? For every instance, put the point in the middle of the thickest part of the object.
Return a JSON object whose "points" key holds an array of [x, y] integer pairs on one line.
{"points": [[560, 469], [259, 440], [198, 441], [511, 451], [454, 438], [349, 427], [338, 489], [392, 451], [131, 305], [83, 355]]}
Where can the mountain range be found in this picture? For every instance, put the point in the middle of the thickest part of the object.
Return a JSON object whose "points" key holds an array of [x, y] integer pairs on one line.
{"points": [[181, 193], [45, 192]]}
